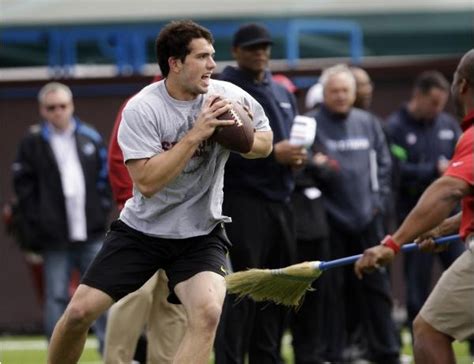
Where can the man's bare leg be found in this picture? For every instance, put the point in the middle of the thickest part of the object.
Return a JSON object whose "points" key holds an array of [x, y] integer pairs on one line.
{"points": [[70, 333], [202, 296], [431, 346]]}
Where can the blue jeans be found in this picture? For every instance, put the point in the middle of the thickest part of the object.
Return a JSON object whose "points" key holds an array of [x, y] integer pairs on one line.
{"points": [[57, 269]]}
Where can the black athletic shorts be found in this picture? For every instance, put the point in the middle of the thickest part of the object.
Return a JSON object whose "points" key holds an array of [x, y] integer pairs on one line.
{"points": [[128, 258]]}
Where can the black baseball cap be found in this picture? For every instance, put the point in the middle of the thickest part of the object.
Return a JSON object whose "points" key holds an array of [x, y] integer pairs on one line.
{"points": [[251, 34]]}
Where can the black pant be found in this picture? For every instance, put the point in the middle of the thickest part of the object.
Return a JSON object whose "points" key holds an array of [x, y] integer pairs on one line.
{"points": [[370, 298], [263, 236], [308, 323]]}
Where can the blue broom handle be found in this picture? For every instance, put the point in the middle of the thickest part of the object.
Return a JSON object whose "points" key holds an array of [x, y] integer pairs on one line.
{"points": [[406, 248]]}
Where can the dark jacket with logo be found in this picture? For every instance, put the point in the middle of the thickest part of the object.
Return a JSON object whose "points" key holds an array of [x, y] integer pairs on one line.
{"points": [[417, 146], [360, 188], [39, 191], [311, 223], [264, 177]]}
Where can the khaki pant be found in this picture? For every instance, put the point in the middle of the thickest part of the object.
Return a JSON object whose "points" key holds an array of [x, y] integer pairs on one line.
{"points": [[165, 324], [449, 308]]}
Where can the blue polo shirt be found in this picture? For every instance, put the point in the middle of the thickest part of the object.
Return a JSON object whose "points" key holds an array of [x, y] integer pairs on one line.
{"points": [[417, 146], [264, 177]]}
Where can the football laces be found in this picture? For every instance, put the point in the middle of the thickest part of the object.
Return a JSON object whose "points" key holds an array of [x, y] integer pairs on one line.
{"points": [[236, 117]]}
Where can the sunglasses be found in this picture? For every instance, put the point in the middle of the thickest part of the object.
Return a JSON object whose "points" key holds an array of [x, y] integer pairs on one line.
{"points": [[54, 107]]}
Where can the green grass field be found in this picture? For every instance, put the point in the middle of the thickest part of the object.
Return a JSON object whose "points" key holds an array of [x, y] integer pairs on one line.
{"points": [[32, 350]]}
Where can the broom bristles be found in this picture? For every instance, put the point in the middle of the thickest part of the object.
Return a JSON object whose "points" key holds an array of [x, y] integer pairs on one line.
{"points": [[285, 286]]}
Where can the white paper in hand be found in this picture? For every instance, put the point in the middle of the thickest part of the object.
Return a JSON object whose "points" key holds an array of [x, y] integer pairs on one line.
{"points": [[303, 131]]}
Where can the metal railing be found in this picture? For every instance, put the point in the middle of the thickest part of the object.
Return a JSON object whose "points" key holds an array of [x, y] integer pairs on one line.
{"points": [[126, 45]]}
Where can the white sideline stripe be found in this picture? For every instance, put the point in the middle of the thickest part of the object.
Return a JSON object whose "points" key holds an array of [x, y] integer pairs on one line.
{"points": [[16, 345]]}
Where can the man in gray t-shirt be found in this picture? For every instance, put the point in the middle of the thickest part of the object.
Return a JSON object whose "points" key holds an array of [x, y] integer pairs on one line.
{"points": [[174, 219], [191, 204]]}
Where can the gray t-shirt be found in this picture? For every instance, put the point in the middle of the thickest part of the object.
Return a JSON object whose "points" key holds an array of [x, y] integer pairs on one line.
{"points": [[191, 205]]}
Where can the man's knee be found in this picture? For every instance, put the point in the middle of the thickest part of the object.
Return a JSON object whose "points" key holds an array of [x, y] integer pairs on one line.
{"points": [[421, 328], [78, 317], [424, 333], [208, 316]]}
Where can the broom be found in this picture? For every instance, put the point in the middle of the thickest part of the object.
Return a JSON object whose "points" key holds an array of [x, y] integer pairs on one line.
{"points": [[288, 285]]}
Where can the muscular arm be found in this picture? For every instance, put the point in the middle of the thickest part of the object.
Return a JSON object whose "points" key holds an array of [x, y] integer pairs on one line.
{"points": [[262, 145], [450, 225], [150, 175], [434, 206]]}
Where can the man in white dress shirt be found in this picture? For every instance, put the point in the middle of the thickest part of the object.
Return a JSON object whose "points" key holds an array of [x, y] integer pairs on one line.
{"points": [[60, 179]]}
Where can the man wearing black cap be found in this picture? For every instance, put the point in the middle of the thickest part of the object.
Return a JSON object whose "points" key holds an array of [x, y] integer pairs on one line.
{"points": [[257, 194]]}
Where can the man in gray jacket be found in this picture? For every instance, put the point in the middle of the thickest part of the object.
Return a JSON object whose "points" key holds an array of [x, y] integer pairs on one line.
{"points": [[355, 198]]}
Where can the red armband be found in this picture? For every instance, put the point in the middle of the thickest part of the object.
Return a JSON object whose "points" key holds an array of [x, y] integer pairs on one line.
{"points": [[390, 243]]}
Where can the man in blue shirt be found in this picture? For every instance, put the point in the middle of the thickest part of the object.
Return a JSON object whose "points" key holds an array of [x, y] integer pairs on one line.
{"points": [[422, 140], [257, 194]]}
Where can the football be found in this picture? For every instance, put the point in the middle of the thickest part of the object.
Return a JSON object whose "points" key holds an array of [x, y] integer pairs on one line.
{"points": [[238, 137]]}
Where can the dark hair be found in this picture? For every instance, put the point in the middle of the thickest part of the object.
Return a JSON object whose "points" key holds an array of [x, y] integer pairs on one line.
{"points": [[173, 41], [428, 80], [466, 67]]}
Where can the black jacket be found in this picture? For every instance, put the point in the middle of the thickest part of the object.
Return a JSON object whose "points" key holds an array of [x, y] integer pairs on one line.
{"points": [[361, 188], [264, 177], [417, 146], [311, 222], [38, 187]]}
